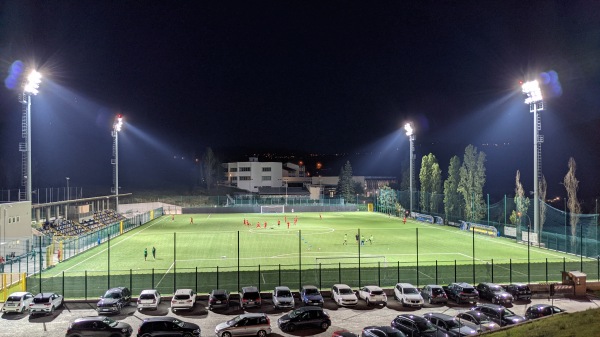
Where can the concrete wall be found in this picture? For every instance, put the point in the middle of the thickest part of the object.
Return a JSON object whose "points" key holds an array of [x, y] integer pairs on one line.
{"points": [[15, 219]]}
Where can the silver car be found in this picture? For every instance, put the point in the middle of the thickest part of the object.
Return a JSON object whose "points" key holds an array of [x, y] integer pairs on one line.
{"points": [[282, 298], [45, 303], [18, 302], [245, 325]]}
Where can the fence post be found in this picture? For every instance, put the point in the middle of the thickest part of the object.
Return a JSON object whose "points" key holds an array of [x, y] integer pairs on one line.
{"points": [[492, 270], [398, 273], [131, 280], [417, 256], [564, 264], [320, 283], [279, 274], [85, 284], [455, 271], [299, 259], [436, 272], [196, 277], [152, 278], [63, 284], [546, 270], [218, 278], [379, 273], [510, 270], [340, 271]]}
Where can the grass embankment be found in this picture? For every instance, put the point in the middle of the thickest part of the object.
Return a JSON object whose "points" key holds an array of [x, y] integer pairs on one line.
{"points": [[578, 324]]}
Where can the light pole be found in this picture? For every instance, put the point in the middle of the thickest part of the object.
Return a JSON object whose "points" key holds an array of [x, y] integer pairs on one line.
{"points": [[68, 193], [411, 136], [115, 161], [535, 101], [68, 198], [30, 88]]}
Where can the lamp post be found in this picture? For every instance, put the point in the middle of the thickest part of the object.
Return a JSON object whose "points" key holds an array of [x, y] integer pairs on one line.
{"points": [[115, 161], [68, 198], [535, 101], [30, 88], [411, 136]]}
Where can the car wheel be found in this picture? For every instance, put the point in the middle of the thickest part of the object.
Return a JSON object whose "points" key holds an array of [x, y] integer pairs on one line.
{"points": [[262, 333], [291, 328], [324, 325], [52, 310], [429, 300], [22, 309], [367, 300], [226, 334]]}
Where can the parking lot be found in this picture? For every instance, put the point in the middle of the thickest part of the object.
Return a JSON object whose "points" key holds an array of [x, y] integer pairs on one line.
{"points": [[353, 319]]}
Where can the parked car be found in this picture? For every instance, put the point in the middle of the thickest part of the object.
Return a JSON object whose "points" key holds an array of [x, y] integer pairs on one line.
{"points": [[519, 291], [304, 317], [113, 300], [408, 295], [183, 299], [250, 297], [461, 292], [373, 295], [218, 299], [282, 298], [381, 331], [17, 302], [433, 293], [310, 295], [343, 295], [45, 303], [167, 326], [449, 325], [541, 310], [494, 293], [245, 325], [499, 314], [343, 333], [416, 326], [98, 326], [477, 320], [149, 299]]}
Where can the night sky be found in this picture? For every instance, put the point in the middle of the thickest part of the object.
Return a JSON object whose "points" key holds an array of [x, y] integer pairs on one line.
{"points": [[299, 78]]}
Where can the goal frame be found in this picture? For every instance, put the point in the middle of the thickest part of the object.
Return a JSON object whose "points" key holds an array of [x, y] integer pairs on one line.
{"points": [[278, 209]]}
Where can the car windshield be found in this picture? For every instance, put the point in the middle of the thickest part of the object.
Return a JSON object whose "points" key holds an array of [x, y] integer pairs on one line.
{"points": [[311, 291], [41, 300], [109, 322], [220, 296], [251, 296], [468, 290], [233, 321], [178, 323], [507, 312], [453, 324], [425, 326], [284, 293], [294, 313], [13, 298], [483, 319], [496, 288], [182, 297], [147, 296], [410, 291], [112, 295], [346, 291], [437, 291], [376, 292], [522, 288]]}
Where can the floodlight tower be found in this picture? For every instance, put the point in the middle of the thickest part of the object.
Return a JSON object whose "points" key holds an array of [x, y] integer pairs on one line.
{"points": [[115, 160], [30, 88], [411, 136], [535, 101]]}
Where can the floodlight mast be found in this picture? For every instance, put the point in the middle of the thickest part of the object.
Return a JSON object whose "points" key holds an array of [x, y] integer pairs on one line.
{"points": [[411, 136], [115, 161], [30, 87], [535, 101]]}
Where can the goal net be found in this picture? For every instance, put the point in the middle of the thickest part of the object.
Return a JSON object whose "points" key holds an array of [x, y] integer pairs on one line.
{"points": [[272, 209]]}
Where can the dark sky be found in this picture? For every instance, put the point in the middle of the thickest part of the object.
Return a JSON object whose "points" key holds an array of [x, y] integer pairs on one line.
{"points": [[303, 77]]}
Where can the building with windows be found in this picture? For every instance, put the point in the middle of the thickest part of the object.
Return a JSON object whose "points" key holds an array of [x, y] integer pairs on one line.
{"points": [[252, 175]]}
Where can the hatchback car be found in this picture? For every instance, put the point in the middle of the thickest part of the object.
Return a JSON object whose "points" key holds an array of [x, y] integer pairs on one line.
{"points": [[98, 326], [477, 320], [519, 291], [167, 326], [381, 331], [416, 326], [499, 314], [45, 303], [373, 295], [408, 295], [494, 293], [310, 295], [218, 299], [183, 299], [343, 295], [282, 298], [434, 293], [541, 310], [17, 302], [304, 317], [449, 325], [113, 300], [245, 325], [250, 297], [149, 299]]}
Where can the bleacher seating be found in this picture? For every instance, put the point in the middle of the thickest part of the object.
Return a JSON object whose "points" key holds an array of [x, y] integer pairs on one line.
{"points": [[63, 227]]}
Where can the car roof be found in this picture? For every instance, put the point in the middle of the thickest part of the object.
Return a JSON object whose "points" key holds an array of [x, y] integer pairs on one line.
{"points": [[341, 285], [310, 308], [405, 285], [160, 319], [434, 286], [90, 318], [255, 314], [148, 291], [282, 288], [464, 284], [183, 291], [309, 287], [250, 289], [489, 305], [218, 291], [116, 289], [439, 315], [373, 287], [413, 317], [19, 293], [384, 328], [44, 294]]}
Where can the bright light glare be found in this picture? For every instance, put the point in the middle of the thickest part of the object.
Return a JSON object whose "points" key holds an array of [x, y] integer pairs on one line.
{"points": [[409, 129], [533, 92], [118, 123], [33, 82]]}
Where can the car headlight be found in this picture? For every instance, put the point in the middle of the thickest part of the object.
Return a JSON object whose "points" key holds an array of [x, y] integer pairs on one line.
{"points": [[124, 330], [284, 321], [196, 331]]}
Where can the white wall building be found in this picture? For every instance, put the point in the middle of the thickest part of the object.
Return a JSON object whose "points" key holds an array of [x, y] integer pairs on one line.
{"points": [[253, 174]]}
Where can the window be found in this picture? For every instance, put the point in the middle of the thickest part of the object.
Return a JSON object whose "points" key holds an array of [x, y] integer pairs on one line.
{"points": [[244, 169], [266, 178], [233, 169], [266, 169], [233, 178], [245, 178]]}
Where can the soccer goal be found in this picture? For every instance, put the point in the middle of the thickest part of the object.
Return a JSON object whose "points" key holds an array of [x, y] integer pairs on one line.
{"points": [[272, 209]]}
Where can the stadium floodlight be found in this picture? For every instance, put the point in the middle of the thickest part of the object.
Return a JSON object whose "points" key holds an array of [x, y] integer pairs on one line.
{"points": [[411, 136], [535, 101], [115, 161], [30, 87]]}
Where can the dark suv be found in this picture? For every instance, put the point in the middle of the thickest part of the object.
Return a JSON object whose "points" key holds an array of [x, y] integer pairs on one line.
{"points": [[519, 291], [462, 292], [167, 326], [449, 324], [218, 298], [494, 293], [304, 317], [98, 326], [250, 297], [416, 326], [499, 314], [113, 300]]}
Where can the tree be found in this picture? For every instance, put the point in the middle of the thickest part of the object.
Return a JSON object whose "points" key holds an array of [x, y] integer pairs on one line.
{"points": [[436, 187], [521, 202], [387, 200], [211, 168], [430, 179], [345, 187], [453, 201], [572, 185], [472, 180], [542, 189]]}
